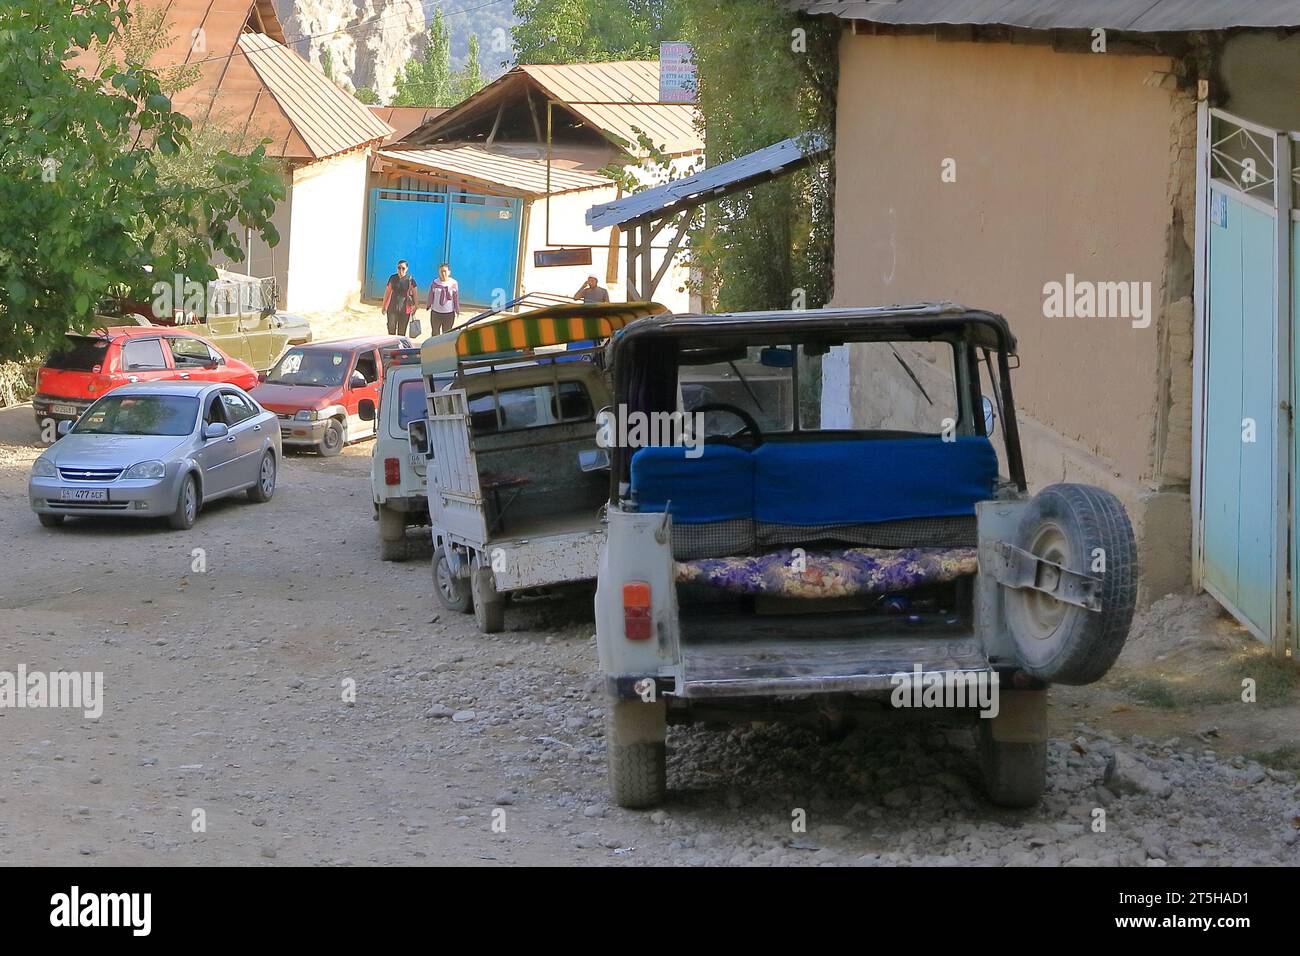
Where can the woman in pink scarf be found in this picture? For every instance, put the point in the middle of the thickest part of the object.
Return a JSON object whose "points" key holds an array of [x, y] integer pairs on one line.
{"points": [[444, 301]]}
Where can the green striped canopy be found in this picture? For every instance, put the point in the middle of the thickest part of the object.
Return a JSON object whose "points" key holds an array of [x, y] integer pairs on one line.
{"points": [[553, 325]]}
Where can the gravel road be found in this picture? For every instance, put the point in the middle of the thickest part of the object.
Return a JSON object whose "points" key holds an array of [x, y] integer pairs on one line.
{"points": [[224, 693]]}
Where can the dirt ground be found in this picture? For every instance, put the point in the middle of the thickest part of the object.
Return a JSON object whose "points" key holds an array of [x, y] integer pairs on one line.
{"points": [[224, 693]]}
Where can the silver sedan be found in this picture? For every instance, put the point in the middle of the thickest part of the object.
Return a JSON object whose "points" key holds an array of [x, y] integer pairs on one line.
{"points": [[161, 450]]}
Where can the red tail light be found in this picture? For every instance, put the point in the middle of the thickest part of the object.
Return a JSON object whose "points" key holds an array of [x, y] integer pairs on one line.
{"points": [[392, 471], [636, 611]]}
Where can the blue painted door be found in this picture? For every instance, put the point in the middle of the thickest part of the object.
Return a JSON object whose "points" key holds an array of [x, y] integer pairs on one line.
{"points": [[407, 228], [1240, 497], [483, 250], [478, 235]]}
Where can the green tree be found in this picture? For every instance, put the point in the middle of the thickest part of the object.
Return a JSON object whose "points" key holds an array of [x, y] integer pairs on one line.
{"points": [[583, 31], [470, 79], [327, 63], [764, 75], [81, 190], [368, 96], [426, 80]]}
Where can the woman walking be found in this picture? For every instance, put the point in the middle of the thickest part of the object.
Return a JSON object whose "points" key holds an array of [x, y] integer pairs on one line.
{"points": [[444, 301]]}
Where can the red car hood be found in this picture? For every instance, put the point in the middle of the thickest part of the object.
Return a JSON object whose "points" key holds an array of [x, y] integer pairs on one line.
{"points": [[290, 398]]}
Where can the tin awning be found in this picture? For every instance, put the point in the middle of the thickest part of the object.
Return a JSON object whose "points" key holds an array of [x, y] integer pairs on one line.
{"points": [[554, 325]]}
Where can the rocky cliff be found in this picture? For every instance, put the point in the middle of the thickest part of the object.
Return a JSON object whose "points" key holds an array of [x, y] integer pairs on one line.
{"points": [[367, 41]]}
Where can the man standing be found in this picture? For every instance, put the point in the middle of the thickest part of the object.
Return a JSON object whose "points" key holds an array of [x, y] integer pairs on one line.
{"points": [[590, 292], [444, 301], [401, 296]]}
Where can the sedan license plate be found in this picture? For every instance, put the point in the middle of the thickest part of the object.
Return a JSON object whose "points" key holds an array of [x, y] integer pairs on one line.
{"points": [[83, 494], [63, 409]]}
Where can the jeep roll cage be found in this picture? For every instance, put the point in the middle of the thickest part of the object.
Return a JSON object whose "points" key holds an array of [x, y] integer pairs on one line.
{"points": [[658, 340]]}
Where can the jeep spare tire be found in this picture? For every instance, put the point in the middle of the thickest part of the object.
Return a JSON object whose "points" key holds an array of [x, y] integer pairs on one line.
{"points": [[1083, 529]]}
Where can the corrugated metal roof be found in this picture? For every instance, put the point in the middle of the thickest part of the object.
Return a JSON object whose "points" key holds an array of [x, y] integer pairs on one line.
{"points": [[508, 170], [250, 84], [671, 126], [329, 120], [403, 119], [1140, 16], [713, 183]]}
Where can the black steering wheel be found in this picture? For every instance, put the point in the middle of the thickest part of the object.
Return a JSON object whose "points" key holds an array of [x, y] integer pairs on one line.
{"points": [[751, 426]]}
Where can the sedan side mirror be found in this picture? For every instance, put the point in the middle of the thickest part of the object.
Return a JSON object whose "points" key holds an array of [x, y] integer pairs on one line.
{"points": [[64, 426], [216, 430], [261, 376], [366, 410]]}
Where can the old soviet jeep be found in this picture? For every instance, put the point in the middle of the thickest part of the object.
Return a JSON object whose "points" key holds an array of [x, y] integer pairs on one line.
{"points": [[811, 562], [516, 480]]}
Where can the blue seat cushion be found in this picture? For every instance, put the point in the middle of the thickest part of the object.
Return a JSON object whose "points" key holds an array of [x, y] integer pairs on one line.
{"points": [[862, 482], [716, 486]]}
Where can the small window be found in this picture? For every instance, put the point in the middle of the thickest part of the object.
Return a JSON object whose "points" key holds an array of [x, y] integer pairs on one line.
{"points": [[142, 355], [367, 366], [190, 352], [410, 398], [79, 354], [237, 410], [532, 406]]}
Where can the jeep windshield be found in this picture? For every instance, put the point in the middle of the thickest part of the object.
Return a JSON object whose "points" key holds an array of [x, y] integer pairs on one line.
{"points": [[909, 388]]}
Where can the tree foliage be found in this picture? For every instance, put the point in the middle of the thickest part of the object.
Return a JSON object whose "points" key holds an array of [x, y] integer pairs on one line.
{"points": [[583, 31], [426, 79], [82, 191], [366, 95], [470, 79], [764, 75]]}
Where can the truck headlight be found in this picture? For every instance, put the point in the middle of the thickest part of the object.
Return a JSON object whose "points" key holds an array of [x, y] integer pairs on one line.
{"points": [[44, 468], [146, 469], [307, 415]]}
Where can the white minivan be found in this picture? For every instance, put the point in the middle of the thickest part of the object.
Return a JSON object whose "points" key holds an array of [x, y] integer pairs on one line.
{"points": [[398, 482]]}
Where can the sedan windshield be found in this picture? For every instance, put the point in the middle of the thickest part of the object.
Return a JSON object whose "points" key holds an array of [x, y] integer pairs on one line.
{"points": [[318, 367], [139, 415]]}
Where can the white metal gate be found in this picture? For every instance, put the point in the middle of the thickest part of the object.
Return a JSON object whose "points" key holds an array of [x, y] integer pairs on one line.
{"points": [[455, 498]]}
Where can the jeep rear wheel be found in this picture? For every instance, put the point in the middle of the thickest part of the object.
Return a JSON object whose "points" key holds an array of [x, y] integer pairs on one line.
{"points": [[1012, 749], [1085, 530], [636, 749]]}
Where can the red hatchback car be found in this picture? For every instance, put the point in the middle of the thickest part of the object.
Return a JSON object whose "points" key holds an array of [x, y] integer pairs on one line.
{"points": [[317, 389], [74, 377]]}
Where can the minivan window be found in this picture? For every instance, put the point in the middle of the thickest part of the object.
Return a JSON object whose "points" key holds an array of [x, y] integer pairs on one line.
{"points": [[81, 354]]}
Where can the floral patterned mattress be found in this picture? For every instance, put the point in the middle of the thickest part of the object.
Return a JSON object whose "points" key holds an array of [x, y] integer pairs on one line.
{"points": [[842, 572]]}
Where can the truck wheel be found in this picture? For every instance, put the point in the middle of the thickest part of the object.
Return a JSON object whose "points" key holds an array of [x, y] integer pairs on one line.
{"points": [[489, 606], [1077, 527], [331, 442], [1013, 749], [636, 735], [453, 592], [392, 535]]}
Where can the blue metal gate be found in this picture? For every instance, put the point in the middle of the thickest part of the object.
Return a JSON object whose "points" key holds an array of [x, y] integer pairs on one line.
{"points": [[1245, 452], [477, 234]]}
